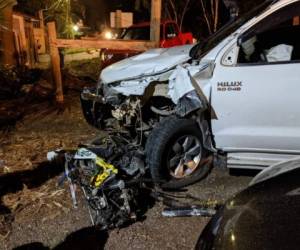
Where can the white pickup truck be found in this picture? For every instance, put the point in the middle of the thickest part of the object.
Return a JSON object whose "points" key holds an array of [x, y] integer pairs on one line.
{"points": [[236, 94]]}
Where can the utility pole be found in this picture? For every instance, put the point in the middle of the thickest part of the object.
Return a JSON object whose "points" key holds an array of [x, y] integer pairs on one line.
{"points": [[155, 21], [55, 60]]}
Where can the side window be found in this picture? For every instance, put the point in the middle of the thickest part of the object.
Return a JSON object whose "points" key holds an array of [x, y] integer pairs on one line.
{"points": [[275, 39], [171, 31]]}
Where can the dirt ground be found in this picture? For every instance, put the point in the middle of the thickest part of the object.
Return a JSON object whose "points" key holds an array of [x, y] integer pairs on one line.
{"points": [[36, 213]]}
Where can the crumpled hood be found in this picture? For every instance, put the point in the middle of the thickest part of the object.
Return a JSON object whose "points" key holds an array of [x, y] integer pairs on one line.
{"points": [[150, 62]]}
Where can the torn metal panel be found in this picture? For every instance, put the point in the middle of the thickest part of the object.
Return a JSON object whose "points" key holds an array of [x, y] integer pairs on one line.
{"points": [[189, 103], [179, 84], [182, 80]]}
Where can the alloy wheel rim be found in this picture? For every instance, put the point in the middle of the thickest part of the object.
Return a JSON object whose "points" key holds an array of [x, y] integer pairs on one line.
{"points": [[184, 156]]}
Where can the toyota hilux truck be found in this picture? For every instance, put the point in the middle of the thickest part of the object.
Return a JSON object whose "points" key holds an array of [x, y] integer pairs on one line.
{"points": [[234, 96]]}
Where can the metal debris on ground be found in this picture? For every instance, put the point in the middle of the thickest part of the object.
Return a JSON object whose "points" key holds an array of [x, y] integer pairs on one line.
{"points": [[188, 212]]}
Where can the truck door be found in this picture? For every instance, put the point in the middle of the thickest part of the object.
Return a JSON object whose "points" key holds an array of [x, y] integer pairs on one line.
{"points": [[257, 97]]}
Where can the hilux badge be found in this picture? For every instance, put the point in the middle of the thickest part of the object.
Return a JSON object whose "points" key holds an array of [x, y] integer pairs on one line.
{"points": [[229, 86]]}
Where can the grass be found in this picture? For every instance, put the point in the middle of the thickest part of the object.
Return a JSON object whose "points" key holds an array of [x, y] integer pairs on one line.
{"points": [[72, 51]]}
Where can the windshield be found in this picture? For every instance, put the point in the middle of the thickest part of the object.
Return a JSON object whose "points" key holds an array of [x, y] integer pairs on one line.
{"points": [[205, 46], [137, 33]]}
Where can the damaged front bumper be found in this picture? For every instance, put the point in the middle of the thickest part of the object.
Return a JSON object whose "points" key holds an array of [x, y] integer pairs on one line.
{"points": [[114, 113], [132, 108]]}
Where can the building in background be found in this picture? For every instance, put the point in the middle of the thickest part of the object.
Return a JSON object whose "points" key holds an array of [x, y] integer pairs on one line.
{"points": [[30, 38], [27, 39], [119, 19]]}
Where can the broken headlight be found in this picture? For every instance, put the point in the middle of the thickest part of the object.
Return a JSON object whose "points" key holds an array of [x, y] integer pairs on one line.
{"points": [[94, 108], [111, 96]]}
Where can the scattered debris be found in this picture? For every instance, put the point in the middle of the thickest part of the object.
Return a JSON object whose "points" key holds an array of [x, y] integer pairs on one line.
{"points": [[188, 211]]}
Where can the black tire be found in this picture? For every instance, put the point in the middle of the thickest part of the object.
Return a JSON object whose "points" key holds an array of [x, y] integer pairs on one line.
{"points": [[157, 148]]}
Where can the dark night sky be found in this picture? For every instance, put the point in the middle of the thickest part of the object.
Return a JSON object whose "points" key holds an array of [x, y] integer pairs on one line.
{"points": [[97, 11]]}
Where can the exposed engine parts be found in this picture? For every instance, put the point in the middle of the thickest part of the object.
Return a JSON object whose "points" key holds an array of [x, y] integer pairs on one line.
{"points": [[161, 129]]}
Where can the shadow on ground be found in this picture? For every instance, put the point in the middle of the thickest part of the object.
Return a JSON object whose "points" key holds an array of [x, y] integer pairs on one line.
{"points": [[88, 238], [14, 182]]}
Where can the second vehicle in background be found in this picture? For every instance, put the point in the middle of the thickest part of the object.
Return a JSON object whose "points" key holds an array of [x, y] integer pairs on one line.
{"points": [[170, 36]]}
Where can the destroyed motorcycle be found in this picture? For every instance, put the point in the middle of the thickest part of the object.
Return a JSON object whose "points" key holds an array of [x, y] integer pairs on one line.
{"points": [[114, 188]]}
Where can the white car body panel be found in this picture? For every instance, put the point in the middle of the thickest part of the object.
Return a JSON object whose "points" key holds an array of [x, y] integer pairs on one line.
{"points": [[264, 113], [149, 63], [260, 124]]}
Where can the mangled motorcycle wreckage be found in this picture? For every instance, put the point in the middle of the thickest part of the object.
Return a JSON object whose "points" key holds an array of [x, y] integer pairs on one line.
{"points": [[114, 193]]}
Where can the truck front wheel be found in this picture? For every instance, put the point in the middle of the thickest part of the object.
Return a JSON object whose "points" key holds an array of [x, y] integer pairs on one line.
{"points": [[175, 153]]}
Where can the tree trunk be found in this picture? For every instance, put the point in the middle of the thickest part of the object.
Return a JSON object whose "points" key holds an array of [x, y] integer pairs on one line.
{"points": [[8, 43], [183, 13], [206, 17]]}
